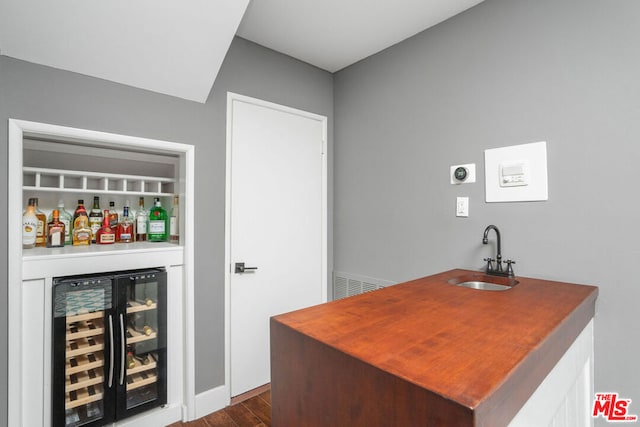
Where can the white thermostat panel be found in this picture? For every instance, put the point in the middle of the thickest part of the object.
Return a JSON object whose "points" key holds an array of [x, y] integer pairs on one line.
{"points": [[515, 174]]}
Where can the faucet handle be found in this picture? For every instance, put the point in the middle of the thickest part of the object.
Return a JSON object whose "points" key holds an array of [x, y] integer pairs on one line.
{"points": [[509, 267], [489, 264]]}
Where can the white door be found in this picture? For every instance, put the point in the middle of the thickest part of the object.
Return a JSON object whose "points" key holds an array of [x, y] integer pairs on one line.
{"points": [[276, 226]]}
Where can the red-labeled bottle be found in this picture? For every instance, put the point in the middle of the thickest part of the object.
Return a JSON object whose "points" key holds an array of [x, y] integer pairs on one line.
{"points": [[105, 235]]}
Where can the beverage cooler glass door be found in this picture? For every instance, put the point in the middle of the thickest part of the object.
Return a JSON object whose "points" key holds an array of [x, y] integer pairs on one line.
{"points": [[83, 352], [142, 315]]}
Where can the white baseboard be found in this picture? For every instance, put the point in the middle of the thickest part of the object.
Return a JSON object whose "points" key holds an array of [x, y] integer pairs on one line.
{"points": [[211, 400]]}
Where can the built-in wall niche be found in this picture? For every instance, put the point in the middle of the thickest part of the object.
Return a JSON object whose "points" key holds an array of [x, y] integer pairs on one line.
{"points": [[55, 162], [57, 171]]}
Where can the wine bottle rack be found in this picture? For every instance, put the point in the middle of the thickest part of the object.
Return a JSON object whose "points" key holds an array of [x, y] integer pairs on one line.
{"points": [[138, 306], [84, 362], [134, 336], [140, 367], [85, 316], [84, 371], [84, 379], [141, 379], [83, 396], [85, 345], [69, 181], [84, 328]]}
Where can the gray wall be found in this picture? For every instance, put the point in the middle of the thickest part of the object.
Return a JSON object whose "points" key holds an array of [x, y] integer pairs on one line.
{"points": [[505, 72], [37, 93]]}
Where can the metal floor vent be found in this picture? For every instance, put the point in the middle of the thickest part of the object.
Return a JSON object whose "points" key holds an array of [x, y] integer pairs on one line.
{"points": [[346, 284]]}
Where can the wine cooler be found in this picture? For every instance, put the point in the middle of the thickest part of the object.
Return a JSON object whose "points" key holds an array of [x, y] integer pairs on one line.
{"points": [[109, 346]]}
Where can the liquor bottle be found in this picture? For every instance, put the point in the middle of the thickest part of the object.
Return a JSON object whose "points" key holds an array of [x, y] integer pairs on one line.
{"points": [[55, 231], [174, 225], [81, 230], [67, 219], [80, 211], [113, 215], [125, 227], [141, 222], [95, 218], [158, 224], [29, 226], [41, 232], [105, 235]]}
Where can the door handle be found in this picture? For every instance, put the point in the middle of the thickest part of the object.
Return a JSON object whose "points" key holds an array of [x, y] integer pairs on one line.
{"points": [[122, 350], [111, 350], [240, 268]]}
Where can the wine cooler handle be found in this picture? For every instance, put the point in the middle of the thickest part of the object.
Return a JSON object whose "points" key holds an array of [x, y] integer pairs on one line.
{"points": [[111, 350], [122, 348]]}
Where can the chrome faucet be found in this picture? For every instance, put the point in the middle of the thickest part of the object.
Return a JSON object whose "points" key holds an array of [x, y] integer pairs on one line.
{"points": [[497, 270]]}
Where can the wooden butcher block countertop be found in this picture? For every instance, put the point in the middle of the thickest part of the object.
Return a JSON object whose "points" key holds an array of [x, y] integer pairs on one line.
{"points": [[483, 351]]}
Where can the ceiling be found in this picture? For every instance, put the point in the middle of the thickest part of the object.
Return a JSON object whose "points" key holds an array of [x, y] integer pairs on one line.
{"points": [[178, 51], [333, 34]]}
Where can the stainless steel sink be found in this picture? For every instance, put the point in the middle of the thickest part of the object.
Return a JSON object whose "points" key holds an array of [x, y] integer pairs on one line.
{"points": [[484, 282], [485, 286]]}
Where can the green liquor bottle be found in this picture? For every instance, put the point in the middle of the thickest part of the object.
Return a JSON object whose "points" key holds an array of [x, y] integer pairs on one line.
{"points": [[158, 225]]}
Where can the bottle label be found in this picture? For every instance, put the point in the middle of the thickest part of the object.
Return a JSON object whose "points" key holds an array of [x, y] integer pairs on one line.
{"points": [[83, 235], [78, 221], [55, 236], [107, 238], [67, 229], [29, 229], [156, 227], [173, 226], [125, 236], [113, 220], [95, 223], [141, 224], [41, 236]]}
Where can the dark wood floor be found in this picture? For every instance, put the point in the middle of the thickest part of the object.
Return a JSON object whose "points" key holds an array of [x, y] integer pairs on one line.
{"points": [[253, 412]]}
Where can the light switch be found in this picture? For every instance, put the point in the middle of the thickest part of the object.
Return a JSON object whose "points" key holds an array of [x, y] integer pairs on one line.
{"points": [[462, 206]]}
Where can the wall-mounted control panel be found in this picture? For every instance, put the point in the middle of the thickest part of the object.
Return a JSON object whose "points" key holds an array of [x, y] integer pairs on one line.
{"points": [[517, 173], [514, 174], [463, 174]]}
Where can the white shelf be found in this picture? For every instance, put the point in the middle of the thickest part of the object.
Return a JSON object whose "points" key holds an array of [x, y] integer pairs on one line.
{"points": [[74, 260], [69, 181]]}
